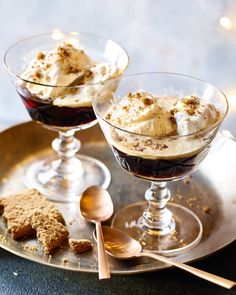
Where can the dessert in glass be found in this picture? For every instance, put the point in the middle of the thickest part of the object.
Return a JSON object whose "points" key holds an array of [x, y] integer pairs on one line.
{"points": [[56, 76], [160, 127]]}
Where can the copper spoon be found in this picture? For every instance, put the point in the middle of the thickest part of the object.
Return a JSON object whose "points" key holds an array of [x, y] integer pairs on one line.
{"points": [[121, 246], [96, 206]]}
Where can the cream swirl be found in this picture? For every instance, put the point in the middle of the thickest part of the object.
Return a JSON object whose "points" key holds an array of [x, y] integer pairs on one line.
{"points": [[193, 115], [66, 65], [156, 118], [142, 113]]}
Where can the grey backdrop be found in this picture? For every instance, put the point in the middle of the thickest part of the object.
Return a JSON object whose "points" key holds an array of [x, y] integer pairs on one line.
{"points": [[174, 35]]}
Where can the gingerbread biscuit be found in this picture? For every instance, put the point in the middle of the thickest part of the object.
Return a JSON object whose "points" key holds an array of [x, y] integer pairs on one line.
{"points": [[17, 209], [50, 233]]}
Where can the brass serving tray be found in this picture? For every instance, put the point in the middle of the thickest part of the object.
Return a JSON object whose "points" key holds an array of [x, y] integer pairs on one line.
{"points": [[210, 193]]}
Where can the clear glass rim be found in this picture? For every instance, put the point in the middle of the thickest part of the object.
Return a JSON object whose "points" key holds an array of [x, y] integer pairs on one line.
{"points": [[12, 73], [216, 124]]}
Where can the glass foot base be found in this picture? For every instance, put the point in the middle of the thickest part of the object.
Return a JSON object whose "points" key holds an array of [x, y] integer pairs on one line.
{"points": [[41, 175], [185, 235]]}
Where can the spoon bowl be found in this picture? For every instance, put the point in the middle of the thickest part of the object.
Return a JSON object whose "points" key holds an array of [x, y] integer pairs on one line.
{"points": [[96, 204], [121, 246]]}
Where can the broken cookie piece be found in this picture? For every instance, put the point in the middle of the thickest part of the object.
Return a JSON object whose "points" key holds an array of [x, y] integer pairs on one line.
{"points": [[17, 208], [1, 205], [80, 245], [50, 233]]}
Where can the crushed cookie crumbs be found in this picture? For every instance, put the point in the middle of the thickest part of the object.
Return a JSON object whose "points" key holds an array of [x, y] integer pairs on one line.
{"points": [[73, 70], [160, 146], [72, 221], [38, 75], [119, 120], [193, 100], [179, 196], [47, 66], [30, 247], [62, 51], [108, 116], [206, 209], [147, 101], [174, 111], [40, 55], [193, 199], [148, 142], [88, 73], [186, 180], [172, 119], [65, 260], [139, 149], [126, 108], [191, 104]]}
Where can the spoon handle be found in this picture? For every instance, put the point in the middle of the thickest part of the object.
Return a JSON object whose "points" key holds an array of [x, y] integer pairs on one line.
{"points": [[103, 267], [197, 272]]}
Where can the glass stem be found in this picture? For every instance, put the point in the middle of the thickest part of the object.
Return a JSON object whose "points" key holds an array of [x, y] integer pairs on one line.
{"points": [[66, 146], [157, 218]]}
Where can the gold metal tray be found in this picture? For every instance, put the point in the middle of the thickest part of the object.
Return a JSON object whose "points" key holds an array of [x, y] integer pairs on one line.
{"points": [[210, 193]]}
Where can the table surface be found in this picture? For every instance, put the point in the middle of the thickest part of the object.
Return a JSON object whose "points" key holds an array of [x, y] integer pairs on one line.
{"points": [[176, 35], [20, 276]]}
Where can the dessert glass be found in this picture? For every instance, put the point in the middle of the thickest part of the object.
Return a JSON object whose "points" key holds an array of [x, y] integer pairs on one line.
{"points": [[65, 176], [160, 226]]}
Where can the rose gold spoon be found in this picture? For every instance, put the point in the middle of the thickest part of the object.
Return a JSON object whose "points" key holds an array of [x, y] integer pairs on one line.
{"points": [[96, 206], [121, 246]]}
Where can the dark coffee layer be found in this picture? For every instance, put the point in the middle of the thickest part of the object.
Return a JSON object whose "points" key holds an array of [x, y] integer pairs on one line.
{"points": [[49, 114], [159, 169]]}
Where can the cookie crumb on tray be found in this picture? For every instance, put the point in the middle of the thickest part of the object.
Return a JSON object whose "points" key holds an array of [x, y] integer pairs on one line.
{"points": [[80, 245]]}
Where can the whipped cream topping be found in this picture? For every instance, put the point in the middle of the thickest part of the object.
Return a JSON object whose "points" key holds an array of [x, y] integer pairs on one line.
{"points": [[143, 113], [66, 65], [193, 115]]}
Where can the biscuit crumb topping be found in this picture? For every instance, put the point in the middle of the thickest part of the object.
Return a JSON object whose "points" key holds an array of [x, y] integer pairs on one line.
{"points": [[191, 104], [40, 55]]}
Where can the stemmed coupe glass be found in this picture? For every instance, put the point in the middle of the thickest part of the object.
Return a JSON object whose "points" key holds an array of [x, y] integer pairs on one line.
{"points": [[160, 226], [66, 176]]}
